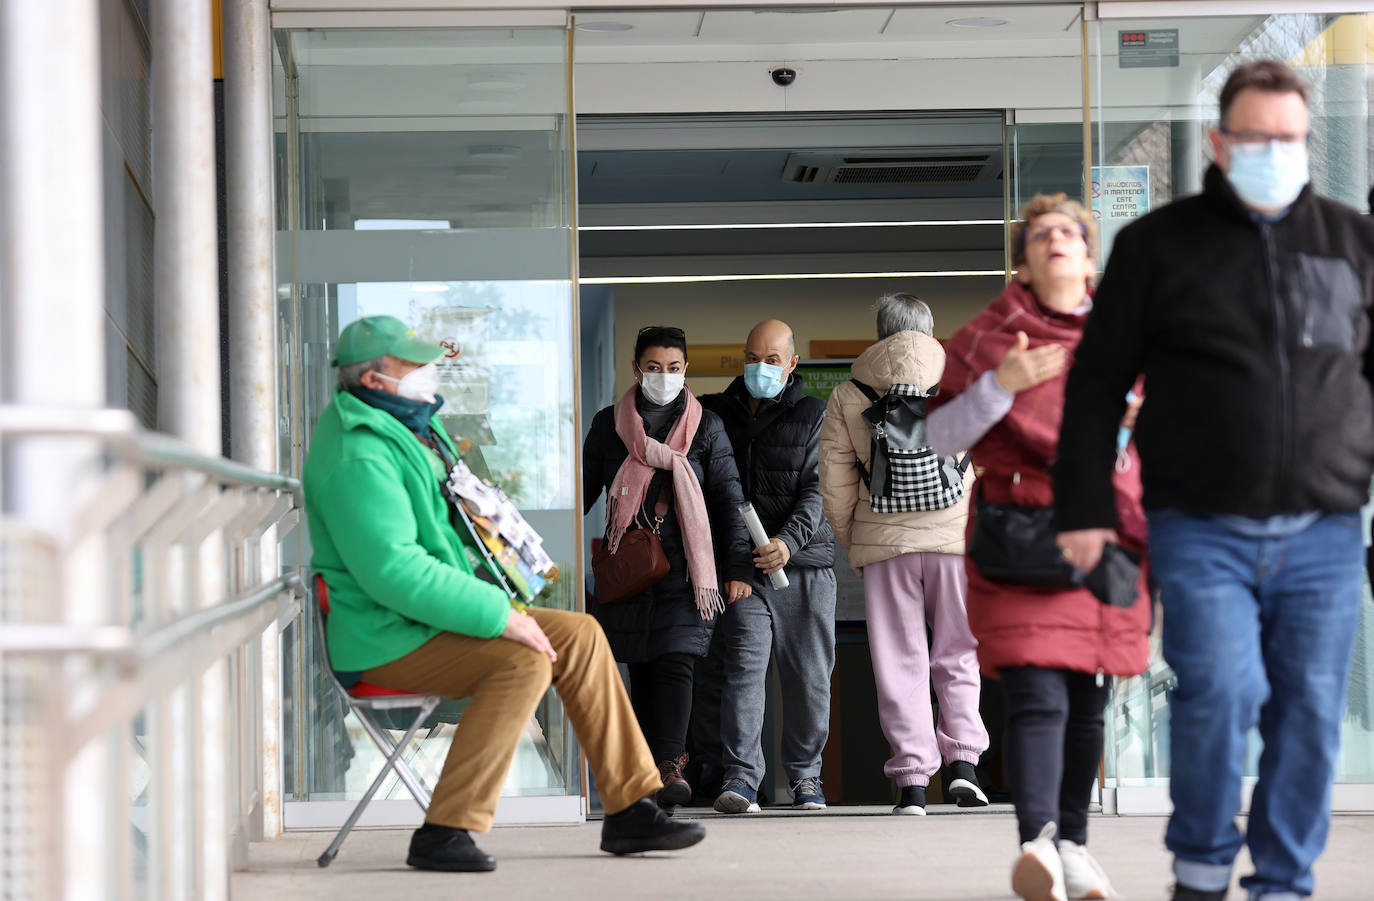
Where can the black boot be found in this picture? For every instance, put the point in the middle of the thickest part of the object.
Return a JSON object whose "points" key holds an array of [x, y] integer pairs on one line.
{"points": [[435, 847], [1184, 893], [643, 826]]}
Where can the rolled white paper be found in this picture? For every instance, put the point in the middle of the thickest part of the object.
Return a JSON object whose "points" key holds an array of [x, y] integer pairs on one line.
{"points": [[760, 538]]}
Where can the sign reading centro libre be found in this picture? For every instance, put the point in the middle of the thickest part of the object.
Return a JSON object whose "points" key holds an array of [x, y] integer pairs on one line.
{"points": [[1120, 193]]}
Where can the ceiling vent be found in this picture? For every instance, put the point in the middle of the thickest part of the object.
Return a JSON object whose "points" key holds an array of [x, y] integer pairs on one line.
{"points": [[839, 168]]}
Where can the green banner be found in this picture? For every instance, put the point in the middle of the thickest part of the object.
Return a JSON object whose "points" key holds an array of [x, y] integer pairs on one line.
{"points": [[819, 377]]}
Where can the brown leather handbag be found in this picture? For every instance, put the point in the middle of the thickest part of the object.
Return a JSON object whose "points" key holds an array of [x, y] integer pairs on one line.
{"points": [[637, 565]]}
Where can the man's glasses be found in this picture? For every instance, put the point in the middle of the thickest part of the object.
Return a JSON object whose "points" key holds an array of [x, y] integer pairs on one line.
{"points": [[1264, 137]]}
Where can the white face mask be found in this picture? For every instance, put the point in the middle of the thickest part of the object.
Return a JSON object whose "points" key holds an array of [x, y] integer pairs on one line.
{"points": [[418, 384], [662, 387]]}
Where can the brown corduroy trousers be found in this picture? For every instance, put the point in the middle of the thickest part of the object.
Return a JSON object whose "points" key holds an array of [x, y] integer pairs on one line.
{"points": [[506, 681]]}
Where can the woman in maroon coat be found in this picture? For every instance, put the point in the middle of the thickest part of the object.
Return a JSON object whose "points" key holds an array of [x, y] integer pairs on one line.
{"points": [[1002, 397]]}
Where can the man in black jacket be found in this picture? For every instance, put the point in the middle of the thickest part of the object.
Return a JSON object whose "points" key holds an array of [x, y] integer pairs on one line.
{"points": [[775, 430], [1247, 308]]}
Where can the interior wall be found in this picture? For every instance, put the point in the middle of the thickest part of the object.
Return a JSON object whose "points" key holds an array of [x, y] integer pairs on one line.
{"points": [[827, 309]]}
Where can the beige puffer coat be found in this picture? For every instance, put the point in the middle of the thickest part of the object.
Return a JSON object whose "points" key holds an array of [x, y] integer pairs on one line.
{"points": [[907, 358]]}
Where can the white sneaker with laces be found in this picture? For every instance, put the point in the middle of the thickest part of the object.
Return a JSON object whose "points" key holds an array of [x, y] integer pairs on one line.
{"points": [[1038, 874], [1083, 876]]}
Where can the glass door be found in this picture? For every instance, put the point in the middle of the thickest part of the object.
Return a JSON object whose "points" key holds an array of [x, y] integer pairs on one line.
{"points": [[425, 174], [1155, 87]]}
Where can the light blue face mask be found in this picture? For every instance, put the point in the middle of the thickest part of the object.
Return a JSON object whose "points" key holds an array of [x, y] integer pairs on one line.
{"points": [[1268, 176], [1123, 434], [763, 379]]}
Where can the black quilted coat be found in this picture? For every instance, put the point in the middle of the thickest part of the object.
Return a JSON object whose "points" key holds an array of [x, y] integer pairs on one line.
{"points": [[664, 619]]}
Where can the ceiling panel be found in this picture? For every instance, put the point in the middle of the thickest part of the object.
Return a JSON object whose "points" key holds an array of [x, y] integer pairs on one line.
{"points": [[794, 26], [645, 27], [1023, 23]]}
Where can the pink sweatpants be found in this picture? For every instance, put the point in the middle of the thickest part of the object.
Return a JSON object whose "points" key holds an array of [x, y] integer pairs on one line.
{"points": [[904, 596]]}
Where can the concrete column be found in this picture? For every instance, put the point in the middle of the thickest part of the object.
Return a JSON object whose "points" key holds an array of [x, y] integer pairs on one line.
{"points": [[253, 360], [52, 355], [186, 288], [1187, 148], [185, 263]]}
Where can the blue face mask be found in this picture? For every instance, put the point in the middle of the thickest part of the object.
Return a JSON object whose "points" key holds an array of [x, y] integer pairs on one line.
{"points": [[763, 380], [1123, 434], [1268, 176]]}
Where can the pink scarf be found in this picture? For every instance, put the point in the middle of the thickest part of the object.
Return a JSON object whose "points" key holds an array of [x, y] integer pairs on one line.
{"points": [[632, 483]]}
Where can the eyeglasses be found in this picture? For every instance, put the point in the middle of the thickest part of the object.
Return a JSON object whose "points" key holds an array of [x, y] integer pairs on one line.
{"points": [[667, 331], [1045, 232], [1264, 137]]}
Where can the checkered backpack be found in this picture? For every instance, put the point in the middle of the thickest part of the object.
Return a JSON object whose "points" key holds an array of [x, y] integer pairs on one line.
{"points": [[904, 474]]}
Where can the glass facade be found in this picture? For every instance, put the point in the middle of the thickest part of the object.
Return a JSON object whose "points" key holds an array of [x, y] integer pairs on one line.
{"points": [[425, 175], [1150, 124], [428, 175]]}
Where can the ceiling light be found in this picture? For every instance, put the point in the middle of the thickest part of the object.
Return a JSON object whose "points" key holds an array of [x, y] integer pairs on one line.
{"points": [[977, 22], [735, 225], [493, 151], [669, 279], [604, 26], [495, 80], [479, 174]]}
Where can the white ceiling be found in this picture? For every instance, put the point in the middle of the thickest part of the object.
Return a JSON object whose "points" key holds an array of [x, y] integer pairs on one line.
{"points": [[828, 26]]}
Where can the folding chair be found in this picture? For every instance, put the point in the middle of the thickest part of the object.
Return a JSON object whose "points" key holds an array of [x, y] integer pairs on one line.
{"points": [[363, 699]]}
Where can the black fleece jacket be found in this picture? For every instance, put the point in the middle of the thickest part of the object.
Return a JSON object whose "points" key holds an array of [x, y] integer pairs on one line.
{"points": [[777, 451], [1254, 340]]}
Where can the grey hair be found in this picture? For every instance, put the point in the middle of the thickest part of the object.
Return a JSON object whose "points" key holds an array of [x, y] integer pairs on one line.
{"points": [[899, 312], [351, 376]]}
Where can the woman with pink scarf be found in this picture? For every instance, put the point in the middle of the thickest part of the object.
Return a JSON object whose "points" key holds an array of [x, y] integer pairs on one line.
{"points": [[658, 442]]}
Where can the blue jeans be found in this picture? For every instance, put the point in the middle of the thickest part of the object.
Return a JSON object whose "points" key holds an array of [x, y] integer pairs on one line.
{"points": [[1258, 631]]}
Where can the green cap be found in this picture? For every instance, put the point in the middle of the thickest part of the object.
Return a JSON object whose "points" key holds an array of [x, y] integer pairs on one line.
{"points": [[376, 336]]}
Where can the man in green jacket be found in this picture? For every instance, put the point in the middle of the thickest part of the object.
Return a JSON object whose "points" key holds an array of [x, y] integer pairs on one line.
{"points": [[407, 611]]}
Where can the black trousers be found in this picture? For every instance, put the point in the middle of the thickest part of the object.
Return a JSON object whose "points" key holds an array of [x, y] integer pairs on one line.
{"points": [[1054, 744], [661, 694]]}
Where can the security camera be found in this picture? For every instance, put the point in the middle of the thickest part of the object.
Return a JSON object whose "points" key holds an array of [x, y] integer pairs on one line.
{"points": [[783, 76]]}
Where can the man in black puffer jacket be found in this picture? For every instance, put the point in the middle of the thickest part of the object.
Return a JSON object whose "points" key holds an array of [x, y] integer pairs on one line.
{"points": [[1247, 308], [775, 430]]}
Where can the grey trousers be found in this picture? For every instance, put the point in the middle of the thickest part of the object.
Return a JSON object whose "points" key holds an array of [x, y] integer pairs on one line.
{"points": [[797, 624]]}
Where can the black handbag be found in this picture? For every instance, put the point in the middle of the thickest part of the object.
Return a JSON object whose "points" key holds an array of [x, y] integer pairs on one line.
{"points": [[1116, 578], [1015, 544]]}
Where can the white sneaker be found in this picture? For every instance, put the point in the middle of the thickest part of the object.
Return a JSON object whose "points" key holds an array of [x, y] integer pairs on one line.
{"points": [[1083, 876], [1038, 874]]}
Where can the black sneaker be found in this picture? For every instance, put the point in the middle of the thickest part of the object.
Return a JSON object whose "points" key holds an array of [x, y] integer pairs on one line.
{"points": [[1184, 893], [963, 785], [912, 803], [643, 826], [450, 850]]}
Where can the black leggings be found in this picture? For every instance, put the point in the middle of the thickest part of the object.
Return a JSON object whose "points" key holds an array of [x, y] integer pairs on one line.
{"points": [[1054, 745], [661, 693]]}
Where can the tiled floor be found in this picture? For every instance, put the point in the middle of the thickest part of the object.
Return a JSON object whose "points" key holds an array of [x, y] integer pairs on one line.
{"points": [[793, 857]]}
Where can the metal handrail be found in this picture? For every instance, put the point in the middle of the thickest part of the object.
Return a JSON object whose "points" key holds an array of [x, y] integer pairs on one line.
{"points": [[122, 431], [125, 646], [169, 636]]}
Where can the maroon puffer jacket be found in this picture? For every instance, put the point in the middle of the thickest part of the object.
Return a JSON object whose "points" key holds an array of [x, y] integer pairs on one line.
{"points": [[1016, 625]]}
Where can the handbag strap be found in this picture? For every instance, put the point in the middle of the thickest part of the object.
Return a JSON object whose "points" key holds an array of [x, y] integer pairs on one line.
{"points": [[665, 491], [661, 505]]}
